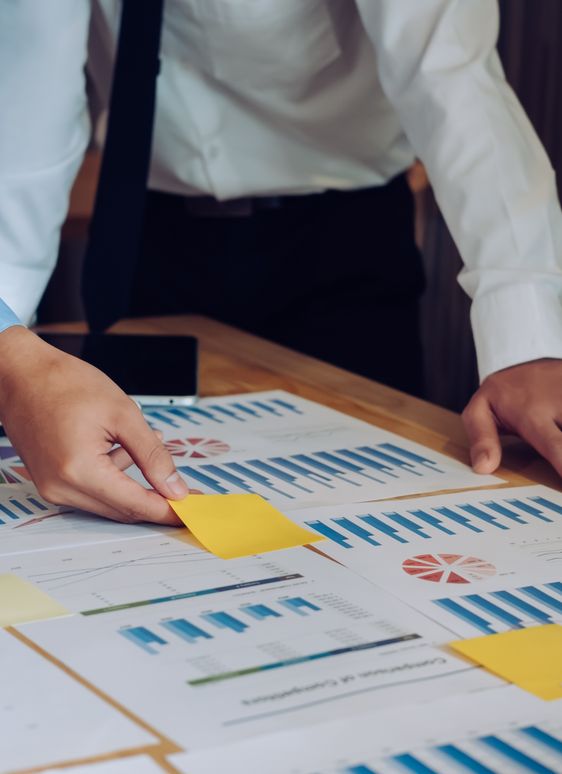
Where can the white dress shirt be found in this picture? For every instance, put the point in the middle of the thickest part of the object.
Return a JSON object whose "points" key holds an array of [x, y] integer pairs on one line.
{"points": [[265, 97]]}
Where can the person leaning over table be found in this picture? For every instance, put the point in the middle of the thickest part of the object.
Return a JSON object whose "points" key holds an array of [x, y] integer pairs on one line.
{"points": [[278, 203]]}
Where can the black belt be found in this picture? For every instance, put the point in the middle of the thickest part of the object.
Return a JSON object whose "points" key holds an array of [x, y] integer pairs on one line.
{"points": [[209, 207], [246, 206]]}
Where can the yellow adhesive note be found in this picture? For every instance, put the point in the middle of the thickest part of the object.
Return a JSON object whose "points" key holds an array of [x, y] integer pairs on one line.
{"points": [[236, 525], [21, 601], [529, 658]]}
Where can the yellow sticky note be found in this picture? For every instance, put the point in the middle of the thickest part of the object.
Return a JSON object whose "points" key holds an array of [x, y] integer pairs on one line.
{"points": [[530, 658], [236, 525], [21, 601]]}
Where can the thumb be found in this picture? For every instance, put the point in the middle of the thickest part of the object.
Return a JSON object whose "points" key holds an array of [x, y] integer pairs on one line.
{"points": [[483, 436], [150, 455]]}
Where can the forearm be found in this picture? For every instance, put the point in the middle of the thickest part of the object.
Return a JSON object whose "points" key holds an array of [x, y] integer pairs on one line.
{"points": [[43, 134], [492, 179]]}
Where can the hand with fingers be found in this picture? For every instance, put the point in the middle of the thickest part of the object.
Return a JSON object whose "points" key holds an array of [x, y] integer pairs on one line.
{"points": [[524, 400], [64, 417]]}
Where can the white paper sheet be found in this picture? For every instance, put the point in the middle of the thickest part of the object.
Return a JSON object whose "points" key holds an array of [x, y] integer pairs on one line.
{"points": [[134, 764], [257, 643], [47, 718], [295, 452], [494, 729], [477, 562], [30, 523]]}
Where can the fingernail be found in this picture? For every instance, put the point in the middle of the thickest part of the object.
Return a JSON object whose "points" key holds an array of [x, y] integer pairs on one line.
{"points": [[481, 460], [177, 485]]}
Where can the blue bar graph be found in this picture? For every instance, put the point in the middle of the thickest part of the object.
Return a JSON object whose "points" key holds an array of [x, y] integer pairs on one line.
{"points": [[143, 638], [299, 605], [394, 462], [544, 738], [494, 610], [416, 458], [186, 630], [358, 530], [215, 413], [548, 504], [481, 514], [524, 751], [527, 508], [525, 607], [433, 521], [464, 759], [280, 474], [541, 596], [311, 472], [423, 524], [24, 505], [413, 764], [467, 616], [410, 525], [224, 620], [369, 463], [260, 612], [243, 470], [351, 466], [330, 533], [507, 609], [458, 518], [325, 468], [386, 529], [515, 755], [21, 507]]}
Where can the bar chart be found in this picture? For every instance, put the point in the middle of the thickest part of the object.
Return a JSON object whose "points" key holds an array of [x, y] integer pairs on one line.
{"points": [[226, 412], [527, 748], [354, 473], [502, 610], [17, 508], [499, 731], [143, 638], [404, 524], [228, 621], [299, 605]]}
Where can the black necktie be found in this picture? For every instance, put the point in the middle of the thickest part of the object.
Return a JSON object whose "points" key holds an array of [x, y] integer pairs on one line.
{"points": [[116, 227]]}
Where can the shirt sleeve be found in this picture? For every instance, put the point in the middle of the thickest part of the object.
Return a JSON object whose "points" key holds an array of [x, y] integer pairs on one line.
{"points": [[7, 317], [44, 130], [438, 65]]}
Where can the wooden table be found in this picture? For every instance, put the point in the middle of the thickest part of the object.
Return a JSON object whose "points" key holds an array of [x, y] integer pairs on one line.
{"points": [[234, 361]]}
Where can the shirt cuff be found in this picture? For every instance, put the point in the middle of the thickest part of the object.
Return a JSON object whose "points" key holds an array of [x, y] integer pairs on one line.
{"points": [[7, 317], [516, 324]]}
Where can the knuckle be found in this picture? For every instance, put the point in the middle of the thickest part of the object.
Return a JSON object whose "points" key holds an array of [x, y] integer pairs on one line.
{"points": [[156, 455], [130, 513]]}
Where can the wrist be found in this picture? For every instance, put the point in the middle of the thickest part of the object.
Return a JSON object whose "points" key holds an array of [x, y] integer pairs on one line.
{"points": [[20, 353]]}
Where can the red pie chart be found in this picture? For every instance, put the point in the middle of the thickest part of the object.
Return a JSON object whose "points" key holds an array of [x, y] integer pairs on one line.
{"points": [[197, 448], [448, 568]]}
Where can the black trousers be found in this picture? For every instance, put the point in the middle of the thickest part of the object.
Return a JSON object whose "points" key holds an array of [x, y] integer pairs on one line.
{"points": [[334, 275]]}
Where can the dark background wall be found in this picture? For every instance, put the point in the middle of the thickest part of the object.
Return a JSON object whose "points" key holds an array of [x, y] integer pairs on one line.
{"points": [[530, 49]]}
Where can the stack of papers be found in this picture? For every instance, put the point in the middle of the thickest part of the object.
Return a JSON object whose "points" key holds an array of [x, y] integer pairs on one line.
{"points": [[363, 655]]}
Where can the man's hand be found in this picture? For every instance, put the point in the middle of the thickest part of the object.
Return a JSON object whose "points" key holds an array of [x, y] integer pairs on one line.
{"points": [[525, 400], [64, 417]]}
